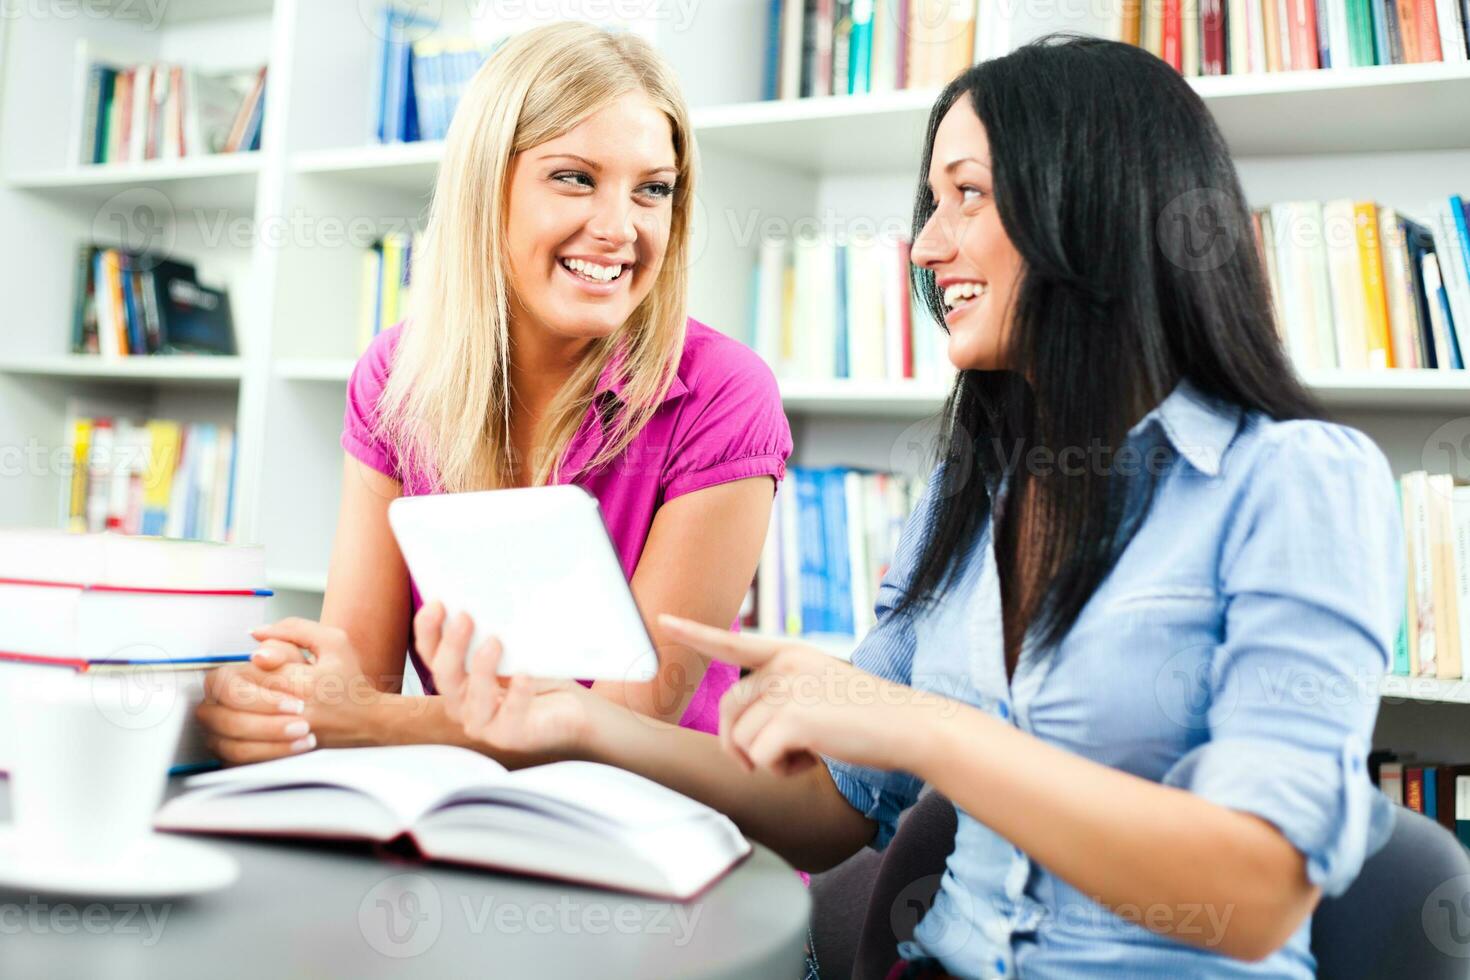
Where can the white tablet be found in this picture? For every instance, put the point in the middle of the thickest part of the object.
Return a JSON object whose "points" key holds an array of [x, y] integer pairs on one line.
{"points": [[535, 567]]}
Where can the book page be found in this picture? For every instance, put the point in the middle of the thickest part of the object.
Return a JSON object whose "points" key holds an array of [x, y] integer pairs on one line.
{"points": [[407, 779]]}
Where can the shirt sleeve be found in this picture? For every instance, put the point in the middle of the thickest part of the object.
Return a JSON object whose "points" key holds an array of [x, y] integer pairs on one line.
{"points": [[888, 652], [1312, 572], [736, 429], [364, 387]]}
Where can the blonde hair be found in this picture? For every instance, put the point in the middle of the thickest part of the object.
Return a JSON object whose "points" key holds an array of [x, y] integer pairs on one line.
{"points": [[446, 408]]}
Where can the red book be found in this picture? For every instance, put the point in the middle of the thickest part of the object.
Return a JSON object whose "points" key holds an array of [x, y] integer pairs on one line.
{"points": [[1171, 51], [907, 330], [1414, 788], [1212, 36], [1303, 34], [1428, 20]]}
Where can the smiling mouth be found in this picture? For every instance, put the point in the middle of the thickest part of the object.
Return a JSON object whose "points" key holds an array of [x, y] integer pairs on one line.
{"points": [[593, 271], [961, 294]]}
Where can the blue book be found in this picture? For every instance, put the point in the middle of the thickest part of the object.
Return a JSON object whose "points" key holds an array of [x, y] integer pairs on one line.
{"points": [[811, 546], [773, 49], [860, 56], [1462, 330], [1324, 49], [1456, 362], [132, 316], [1431, 803], [1382, 54], [839, 305], [1420, 243], [839, 560]]}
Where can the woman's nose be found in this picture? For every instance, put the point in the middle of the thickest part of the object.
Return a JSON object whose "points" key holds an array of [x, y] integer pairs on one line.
{"points": [[934, 244]]}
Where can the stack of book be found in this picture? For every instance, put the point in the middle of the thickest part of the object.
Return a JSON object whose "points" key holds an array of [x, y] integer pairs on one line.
{"points": [[161, 612], [1440, 791], [385, 284], [1233, 37], [832, 537], [420, 77], [129, 303], [158, 477], [852, 47], [1357, 285], [1435, 638], [825, 309], [162, 111]]}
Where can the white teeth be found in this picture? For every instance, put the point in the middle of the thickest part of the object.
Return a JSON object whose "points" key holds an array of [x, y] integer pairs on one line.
{"points": [[593, 271], [957, 293]]}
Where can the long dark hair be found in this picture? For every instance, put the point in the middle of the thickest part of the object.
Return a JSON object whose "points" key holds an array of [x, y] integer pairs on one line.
{"points": [[1140, 271]]}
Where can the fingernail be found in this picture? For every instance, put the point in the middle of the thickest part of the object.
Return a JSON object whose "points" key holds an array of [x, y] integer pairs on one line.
{"points": [[304, 744], [291, 706], [297, 728]]}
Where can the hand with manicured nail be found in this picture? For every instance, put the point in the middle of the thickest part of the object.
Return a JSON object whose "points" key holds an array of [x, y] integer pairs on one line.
{"points": [[798, 704], [289, 699], [511, 714]]}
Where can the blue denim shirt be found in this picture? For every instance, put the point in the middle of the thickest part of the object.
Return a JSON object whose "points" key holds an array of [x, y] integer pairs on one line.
{"points": [[1234, 651]]}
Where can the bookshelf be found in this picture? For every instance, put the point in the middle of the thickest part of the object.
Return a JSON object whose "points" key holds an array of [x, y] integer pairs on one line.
{"points": [[281, 228]]}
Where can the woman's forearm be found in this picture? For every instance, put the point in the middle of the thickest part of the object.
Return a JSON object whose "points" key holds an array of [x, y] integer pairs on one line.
{"points": [[803, 818], [1185, 866]]}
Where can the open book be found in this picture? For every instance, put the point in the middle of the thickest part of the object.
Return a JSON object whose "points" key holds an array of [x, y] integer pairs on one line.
{"points": [[578, 821]]}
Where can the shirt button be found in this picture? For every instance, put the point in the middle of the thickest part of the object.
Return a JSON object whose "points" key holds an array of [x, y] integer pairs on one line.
{"points": [[1000, 966], [1357, 763], [1004, 710]]}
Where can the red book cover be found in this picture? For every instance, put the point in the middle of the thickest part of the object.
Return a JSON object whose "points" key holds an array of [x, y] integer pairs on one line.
{"points": [[1212, 36], [1428, 20], [1414, 788], [1303, 34], [1171, 52], [907, 330]]}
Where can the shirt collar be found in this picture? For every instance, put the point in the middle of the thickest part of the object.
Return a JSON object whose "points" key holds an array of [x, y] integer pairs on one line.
{"points": [[1199, 427], [613, 381]]}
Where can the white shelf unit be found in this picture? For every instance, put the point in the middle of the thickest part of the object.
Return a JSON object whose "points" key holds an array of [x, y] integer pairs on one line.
{"points": [[282, 228]]}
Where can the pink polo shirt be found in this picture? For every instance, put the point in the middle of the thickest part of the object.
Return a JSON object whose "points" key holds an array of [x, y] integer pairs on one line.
{"points": [[720, 421]]}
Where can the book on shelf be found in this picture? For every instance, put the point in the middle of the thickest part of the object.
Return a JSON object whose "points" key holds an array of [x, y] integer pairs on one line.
{"points": [[134, 303], [132, 110], [825, 309], [158, 477], [1434, 640], [575, 821], [155, 613], [383, 299], [832, 537], [420, 76], [1438, 790], [1358, 286], [852, 47], [1236, 37]]}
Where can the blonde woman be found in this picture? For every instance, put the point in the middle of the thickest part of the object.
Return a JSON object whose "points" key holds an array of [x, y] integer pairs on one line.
{"points": [[548, 343]]}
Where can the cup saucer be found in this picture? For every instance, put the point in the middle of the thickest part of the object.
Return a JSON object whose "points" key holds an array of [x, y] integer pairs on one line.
{"points": [[156, 866]]}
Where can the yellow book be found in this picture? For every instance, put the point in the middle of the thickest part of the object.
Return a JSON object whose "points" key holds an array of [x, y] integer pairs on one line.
{"points": [[165, 441], [392, 278], [81, 448], [1441, 541], [1370, 257]]}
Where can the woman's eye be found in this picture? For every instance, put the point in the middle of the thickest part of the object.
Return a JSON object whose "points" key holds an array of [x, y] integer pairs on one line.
{"points": [[657, 189], [970, 193], [573, 177]]}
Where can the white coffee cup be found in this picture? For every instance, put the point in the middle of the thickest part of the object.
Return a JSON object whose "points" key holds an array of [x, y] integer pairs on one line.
{"points": [[89, 757]]}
